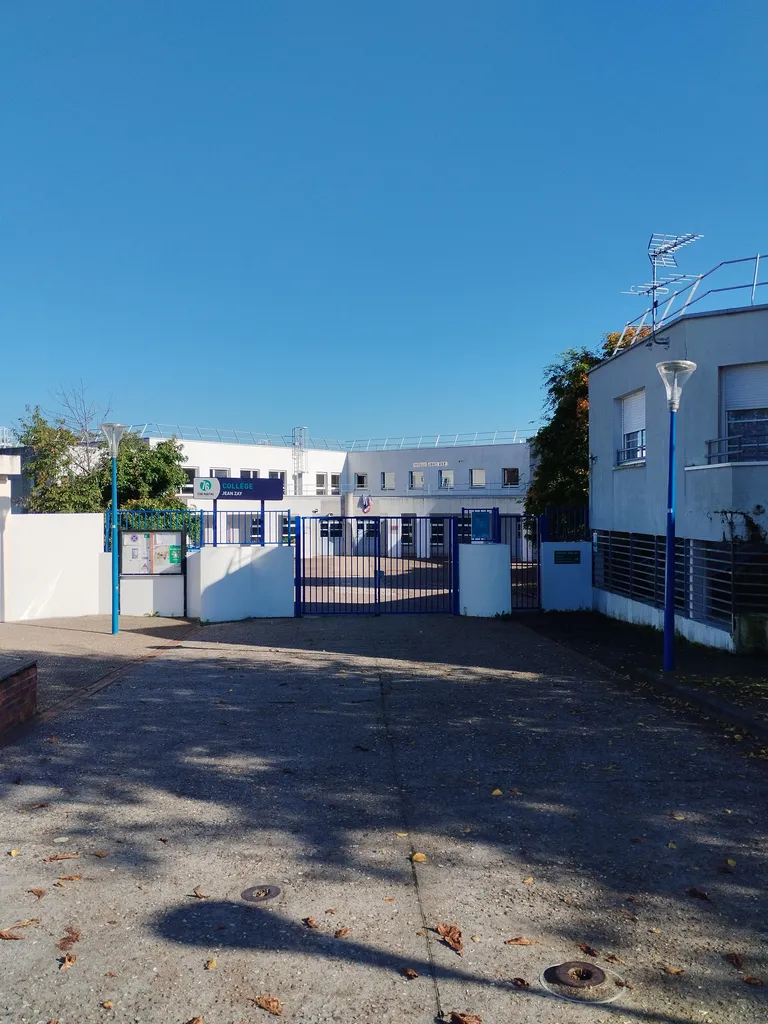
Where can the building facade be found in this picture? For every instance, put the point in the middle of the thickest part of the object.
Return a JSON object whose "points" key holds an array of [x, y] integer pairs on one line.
{"points": [[721, 478]]}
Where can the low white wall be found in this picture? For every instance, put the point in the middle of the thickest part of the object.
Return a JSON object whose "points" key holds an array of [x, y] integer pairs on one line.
{"points": [[244, 582], [565, 587], [51, 566], [193, 584], [485, 586], [619, 607], [152, 595]]}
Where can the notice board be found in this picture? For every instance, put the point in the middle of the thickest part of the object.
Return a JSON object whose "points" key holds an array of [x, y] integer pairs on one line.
{"points": [[151, 552]]}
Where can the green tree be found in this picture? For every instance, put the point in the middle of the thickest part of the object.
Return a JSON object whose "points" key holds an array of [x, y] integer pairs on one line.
{"points": [[560, 449], [62, 480]]}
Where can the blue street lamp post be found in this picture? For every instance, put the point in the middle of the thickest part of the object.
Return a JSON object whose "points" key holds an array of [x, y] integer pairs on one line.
{"points": [[113, 433], [674, 373]]}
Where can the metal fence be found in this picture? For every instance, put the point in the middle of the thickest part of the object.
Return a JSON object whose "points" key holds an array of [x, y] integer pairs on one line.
{"points": [[715, 581], [564, 523], [750, 448], [523, 534], [140, 520], [223, 527]]}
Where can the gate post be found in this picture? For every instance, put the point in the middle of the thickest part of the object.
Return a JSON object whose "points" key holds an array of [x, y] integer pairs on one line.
{"points": [[377, 568], [297, 602], [455, 605]]}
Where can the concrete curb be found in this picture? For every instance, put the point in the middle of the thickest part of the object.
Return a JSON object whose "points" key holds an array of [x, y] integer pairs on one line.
{"points": [[665, 686]]}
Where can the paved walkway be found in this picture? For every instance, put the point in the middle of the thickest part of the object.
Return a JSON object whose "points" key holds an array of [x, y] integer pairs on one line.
{"points": [[317, 755]]}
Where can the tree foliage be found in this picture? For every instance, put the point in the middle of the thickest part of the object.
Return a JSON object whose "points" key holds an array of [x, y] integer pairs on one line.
{"points": [[65, 479], [560, 449]]}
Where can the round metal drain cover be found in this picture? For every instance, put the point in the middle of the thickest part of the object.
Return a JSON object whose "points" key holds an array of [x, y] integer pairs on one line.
{"points": [[260, 893], [579, 981]]}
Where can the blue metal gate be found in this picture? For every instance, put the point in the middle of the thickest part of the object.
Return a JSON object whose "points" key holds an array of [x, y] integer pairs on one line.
{"points": [[374, 565]]}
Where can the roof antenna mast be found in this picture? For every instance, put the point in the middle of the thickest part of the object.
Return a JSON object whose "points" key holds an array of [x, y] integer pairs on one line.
{"points": [[661, 253]]}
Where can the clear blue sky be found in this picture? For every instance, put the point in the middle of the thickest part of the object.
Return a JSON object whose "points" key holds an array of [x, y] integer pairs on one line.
{"points": [[367, 217]]}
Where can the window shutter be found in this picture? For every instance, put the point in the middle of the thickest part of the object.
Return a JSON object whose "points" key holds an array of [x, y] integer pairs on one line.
{"points": [[746, 386], [633, 412]]}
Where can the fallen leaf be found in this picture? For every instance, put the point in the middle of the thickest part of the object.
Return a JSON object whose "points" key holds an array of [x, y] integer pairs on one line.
{"points": [[409, 973], [14, 853], [341, 933], [195, 1020], [331, 910], [199, 895], [751, 981], [520, 941], [100, 853], [269, 1003], [37, 892], [451, 936], [624, 983], [528, 881], [389, 899], [497, 792], [310, 922], [60, 856], [423, 934], [655, 931], [735, 959], [71, 936], [112, 974], [8, 934], [588, 950], [70, 878], [613, 959], [699, 894], [107, 1004], [672, 844], [419, 858], [465, 1018], [67, 961], [401, 835], [211, 965], [29, 923], [520, 983], [677, 971], [677, 815], [475, 938]]}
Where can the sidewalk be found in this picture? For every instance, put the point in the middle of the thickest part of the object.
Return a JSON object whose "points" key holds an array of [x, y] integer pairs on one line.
{"points": [[317, 755]]}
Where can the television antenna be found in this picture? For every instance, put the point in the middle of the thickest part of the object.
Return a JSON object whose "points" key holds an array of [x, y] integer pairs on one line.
{"points": [[661, 253]]}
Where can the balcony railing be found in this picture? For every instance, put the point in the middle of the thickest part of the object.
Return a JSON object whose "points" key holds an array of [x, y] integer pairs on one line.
{"points": [[753, 448]]}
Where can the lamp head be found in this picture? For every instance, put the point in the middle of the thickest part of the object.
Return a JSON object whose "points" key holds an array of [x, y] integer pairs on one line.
{"points": [[675, 373], [113, 433]]}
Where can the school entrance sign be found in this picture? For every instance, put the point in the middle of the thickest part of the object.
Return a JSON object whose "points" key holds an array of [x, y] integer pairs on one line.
{"points": [[221, 487]]}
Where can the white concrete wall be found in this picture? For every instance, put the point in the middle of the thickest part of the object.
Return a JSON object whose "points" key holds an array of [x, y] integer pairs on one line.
{"points": [[618, 607], [152, 595], [242, 583], [565, 587], [633, 498], [485, 587], [194, 584], [51, 566]]}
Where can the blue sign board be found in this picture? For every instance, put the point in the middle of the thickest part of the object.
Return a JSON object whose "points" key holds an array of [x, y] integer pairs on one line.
{"points": [[248, 489], [481, 526]]}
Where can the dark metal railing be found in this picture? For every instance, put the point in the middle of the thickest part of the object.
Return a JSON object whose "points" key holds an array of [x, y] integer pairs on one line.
{"points": [[738, 448]]}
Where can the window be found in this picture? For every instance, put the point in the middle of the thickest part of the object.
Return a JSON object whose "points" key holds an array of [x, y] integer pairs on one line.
{"points": [[445, 478], [277, 474], [335, 483], [437, 532], [632, 427], [189, 486], [361, 481], [287, 529], [219, 472], [406, 535], [477, 478], [366, 528], [332, 528], [387, 481], [256, 527], [416, 480], [321, 483], [249, 474], [510, 477], [745, 394]]}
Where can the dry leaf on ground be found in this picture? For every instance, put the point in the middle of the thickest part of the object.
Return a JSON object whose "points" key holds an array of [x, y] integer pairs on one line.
{"points": [[409, 973], [67, 961], [211, 965], [38, 892], [677, 971], [497, 792], [331, 910], [9, 935], [520, 941], [419, 858], [269, 1003], [107, 1004], [752, 981], [735, 959], [195, 1020], [71, 936], [198, 894], [465, 1018], [451, 936], [60, 856], [528, 881], [341, 933], [624, 983], [310, 922], [589, 950], [101, 853], [677, 815], [70, 878], [699, 893], [520, 983], [112, 974], [613, 959], [389, 899], [14, 853], [30, 922]]}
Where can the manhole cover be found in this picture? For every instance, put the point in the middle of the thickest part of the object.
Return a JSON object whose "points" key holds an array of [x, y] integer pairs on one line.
{"points": [[582, 982], [260, 893]]}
